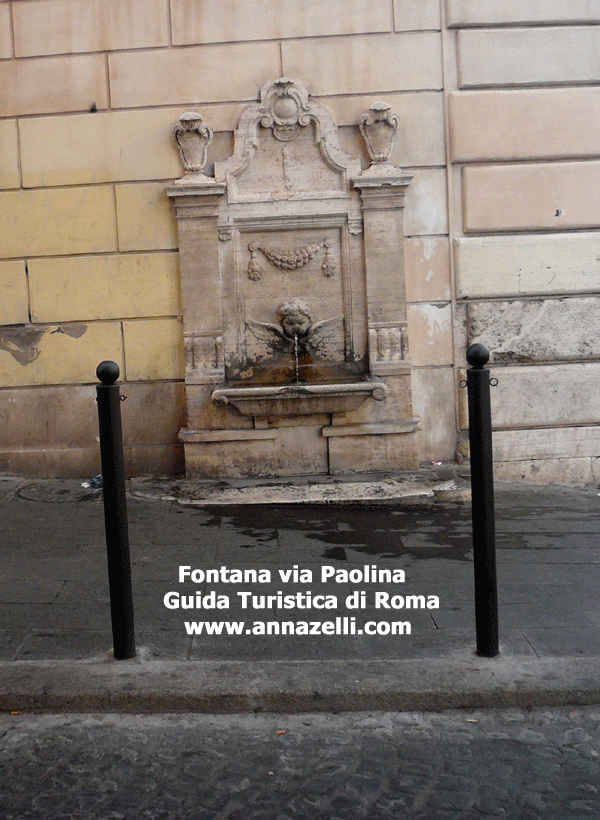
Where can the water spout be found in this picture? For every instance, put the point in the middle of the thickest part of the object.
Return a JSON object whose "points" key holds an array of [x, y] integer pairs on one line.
{"points": [[296, 365]]}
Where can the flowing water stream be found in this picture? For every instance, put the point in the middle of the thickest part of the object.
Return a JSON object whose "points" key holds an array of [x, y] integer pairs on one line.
{"points": [[296, 365]]}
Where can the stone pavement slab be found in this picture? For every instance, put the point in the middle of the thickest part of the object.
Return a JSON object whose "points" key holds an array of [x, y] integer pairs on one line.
{"points": [[55, 632]]}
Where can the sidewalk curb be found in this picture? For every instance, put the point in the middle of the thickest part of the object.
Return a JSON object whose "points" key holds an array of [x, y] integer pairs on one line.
{"points": [[140, 686]]}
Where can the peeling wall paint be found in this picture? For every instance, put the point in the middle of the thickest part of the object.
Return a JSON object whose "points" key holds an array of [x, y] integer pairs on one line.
{"points": [[75, 331], [21, 341]]}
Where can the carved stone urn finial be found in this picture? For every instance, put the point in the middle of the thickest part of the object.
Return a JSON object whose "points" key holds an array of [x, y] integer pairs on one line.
{"points": [[378, 126], [193, 136]]}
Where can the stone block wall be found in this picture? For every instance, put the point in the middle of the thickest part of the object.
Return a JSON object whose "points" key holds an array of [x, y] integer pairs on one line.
{"points": [[499, 109], [524, 140]]}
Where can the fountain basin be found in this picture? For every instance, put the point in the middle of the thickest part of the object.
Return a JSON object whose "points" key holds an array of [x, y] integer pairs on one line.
{"points": [[299, 399]]}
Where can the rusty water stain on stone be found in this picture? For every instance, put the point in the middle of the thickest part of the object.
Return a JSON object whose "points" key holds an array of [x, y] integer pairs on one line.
{"points": [[76, 331], [21, 342]]}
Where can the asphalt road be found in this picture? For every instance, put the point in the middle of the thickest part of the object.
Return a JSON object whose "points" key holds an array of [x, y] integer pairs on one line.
{"points": [[496, 764]]}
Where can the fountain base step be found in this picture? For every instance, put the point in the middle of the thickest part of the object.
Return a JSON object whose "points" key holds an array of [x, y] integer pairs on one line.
{"points": [[425, 485], [281, 448]]}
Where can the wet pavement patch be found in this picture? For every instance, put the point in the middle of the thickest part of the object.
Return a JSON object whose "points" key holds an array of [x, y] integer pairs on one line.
{"points": [[378, 530]]}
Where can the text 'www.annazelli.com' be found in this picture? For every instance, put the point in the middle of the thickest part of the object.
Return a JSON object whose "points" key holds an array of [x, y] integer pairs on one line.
{"points": [[338, 626]]}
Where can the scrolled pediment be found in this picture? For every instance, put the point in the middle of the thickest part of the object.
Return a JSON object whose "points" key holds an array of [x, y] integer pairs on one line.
{"points": [[287, 144]]}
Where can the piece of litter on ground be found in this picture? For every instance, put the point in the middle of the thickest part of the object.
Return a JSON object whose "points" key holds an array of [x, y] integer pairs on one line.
{"points": [[281, 732], [472, 720]]}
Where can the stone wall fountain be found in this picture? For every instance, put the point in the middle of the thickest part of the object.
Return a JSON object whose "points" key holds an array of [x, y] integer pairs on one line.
{"points": [[292, 276]]}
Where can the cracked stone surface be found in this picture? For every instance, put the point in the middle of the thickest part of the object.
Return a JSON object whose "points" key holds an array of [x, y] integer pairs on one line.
{"points": [[536, 330]]}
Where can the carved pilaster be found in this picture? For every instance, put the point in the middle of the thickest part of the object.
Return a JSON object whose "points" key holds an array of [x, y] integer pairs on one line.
{"points": [[197, 205], [382, 196]]}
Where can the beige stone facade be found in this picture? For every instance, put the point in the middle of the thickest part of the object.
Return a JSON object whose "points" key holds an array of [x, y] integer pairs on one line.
{"points": [[499, 126]]}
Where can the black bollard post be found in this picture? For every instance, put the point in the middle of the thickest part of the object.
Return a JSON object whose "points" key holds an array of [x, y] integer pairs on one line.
{"points": [[115, 510], [482, 492]]}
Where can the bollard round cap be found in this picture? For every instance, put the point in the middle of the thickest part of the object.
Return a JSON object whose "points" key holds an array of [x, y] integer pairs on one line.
{"points": [[108, 372], [478, 356]]}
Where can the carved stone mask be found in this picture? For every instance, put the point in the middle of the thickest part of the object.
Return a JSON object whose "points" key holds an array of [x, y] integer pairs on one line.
{"points": [[295, 317]]}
